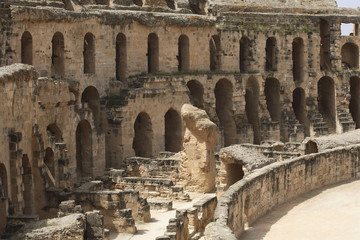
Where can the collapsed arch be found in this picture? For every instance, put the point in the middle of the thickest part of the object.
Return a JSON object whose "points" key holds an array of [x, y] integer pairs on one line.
{"points": [[26, 48], [350, 56], [173, 131], [196, 93], [142, 142], [224, 110]]}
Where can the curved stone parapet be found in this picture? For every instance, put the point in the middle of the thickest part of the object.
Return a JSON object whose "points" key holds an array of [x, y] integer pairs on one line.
{"points": [[255, 195]]}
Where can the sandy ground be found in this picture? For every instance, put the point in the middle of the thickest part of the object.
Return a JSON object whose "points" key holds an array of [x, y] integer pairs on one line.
{"points": [[159, 220], [331, 213]]}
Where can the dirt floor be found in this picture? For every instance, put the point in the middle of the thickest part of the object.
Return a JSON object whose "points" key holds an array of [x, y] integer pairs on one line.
{"points": [[331, 213]]}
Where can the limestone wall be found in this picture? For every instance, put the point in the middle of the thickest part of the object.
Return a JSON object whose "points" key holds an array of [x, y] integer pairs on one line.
{"points": [[256, 194]]}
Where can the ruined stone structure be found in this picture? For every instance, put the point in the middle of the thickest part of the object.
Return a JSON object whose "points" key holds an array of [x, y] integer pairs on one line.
{"points": [[92, 93]]}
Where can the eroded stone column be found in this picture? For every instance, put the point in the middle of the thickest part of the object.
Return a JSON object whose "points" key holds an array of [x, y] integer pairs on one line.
{"points": [[197, 169]]}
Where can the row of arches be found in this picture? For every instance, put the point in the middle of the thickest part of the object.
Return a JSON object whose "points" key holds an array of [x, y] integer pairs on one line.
{"points": [[143, 133], [58, 53]]}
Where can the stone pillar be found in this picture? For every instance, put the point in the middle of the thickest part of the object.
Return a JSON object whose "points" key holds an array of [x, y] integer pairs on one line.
{"points": [[197, 169]]}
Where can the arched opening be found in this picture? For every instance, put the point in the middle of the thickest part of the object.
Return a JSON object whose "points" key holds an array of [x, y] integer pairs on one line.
{"points": [[244, 54], [350, 56], [26, 48], [54, 132], [84, 157], [270, 54], [196, 93], [58, 56], [171, 4], [138, 2], [234, 173], [354, 105], [153, 53], [326, 101], [173, 131], [272, 96], [90, 98], [224, 110], [27, 180], [325, 63], [142, 143], [251, 107], [298, 59], [89, 53], [299, 107], [214, 53], [49, 161], [3, 197], [311, 147], [183, 53], [121, 57]]}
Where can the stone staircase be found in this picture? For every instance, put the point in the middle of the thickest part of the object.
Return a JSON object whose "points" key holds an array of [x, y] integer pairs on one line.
{"points": [[345, 120], [318, 127]]}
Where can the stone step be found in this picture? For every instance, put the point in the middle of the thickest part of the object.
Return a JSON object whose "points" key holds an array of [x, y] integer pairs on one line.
{"points": [[159, 204]]}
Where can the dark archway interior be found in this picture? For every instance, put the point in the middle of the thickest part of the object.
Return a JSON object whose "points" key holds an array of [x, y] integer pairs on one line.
{"points": [[27, 180], [173, 131], [270, 54], [298, 59], [84, 157], [272, 95], [354, 105], [58, 56], [251, 108], [325, 63], [142, 143], [153, 53], [89, 53], [196, 93], [350, 56], [244, 54], [224, 110], [50, 161], [234, 173], [214, 53], [121, 57], [311, 147], [26, 48], [299, 107], [183, 53], [326, 101], [91, 96]]}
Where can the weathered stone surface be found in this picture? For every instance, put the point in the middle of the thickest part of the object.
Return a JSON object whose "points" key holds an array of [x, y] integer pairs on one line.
{"points": [[197, 170]]}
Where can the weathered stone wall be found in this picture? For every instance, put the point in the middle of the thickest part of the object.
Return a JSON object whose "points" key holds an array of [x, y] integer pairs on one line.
{"points": [[256, 194]]}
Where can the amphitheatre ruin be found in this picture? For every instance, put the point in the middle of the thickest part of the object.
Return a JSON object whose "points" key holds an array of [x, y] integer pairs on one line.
{"points": [[172, 119]]}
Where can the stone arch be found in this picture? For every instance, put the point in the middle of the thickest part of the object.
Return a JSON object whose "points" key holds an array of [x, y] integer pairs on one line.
{"points": [[215, 49], [3, 196], [153, 53], [26, 48], [90, 98], [298, 59], [224, 110], [244, 54], [299, 107], [183, 53], [270, 54], [272, 96], [138, 2], [84, 156], [325, 63], [58, 54], [28, 185], [326, 101], [121, 57], [171, 4], [350, 56], [311, 147], [252, 107], [354, 105], [143, 137], [89, 53], [196, 93], [173, 131]]}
